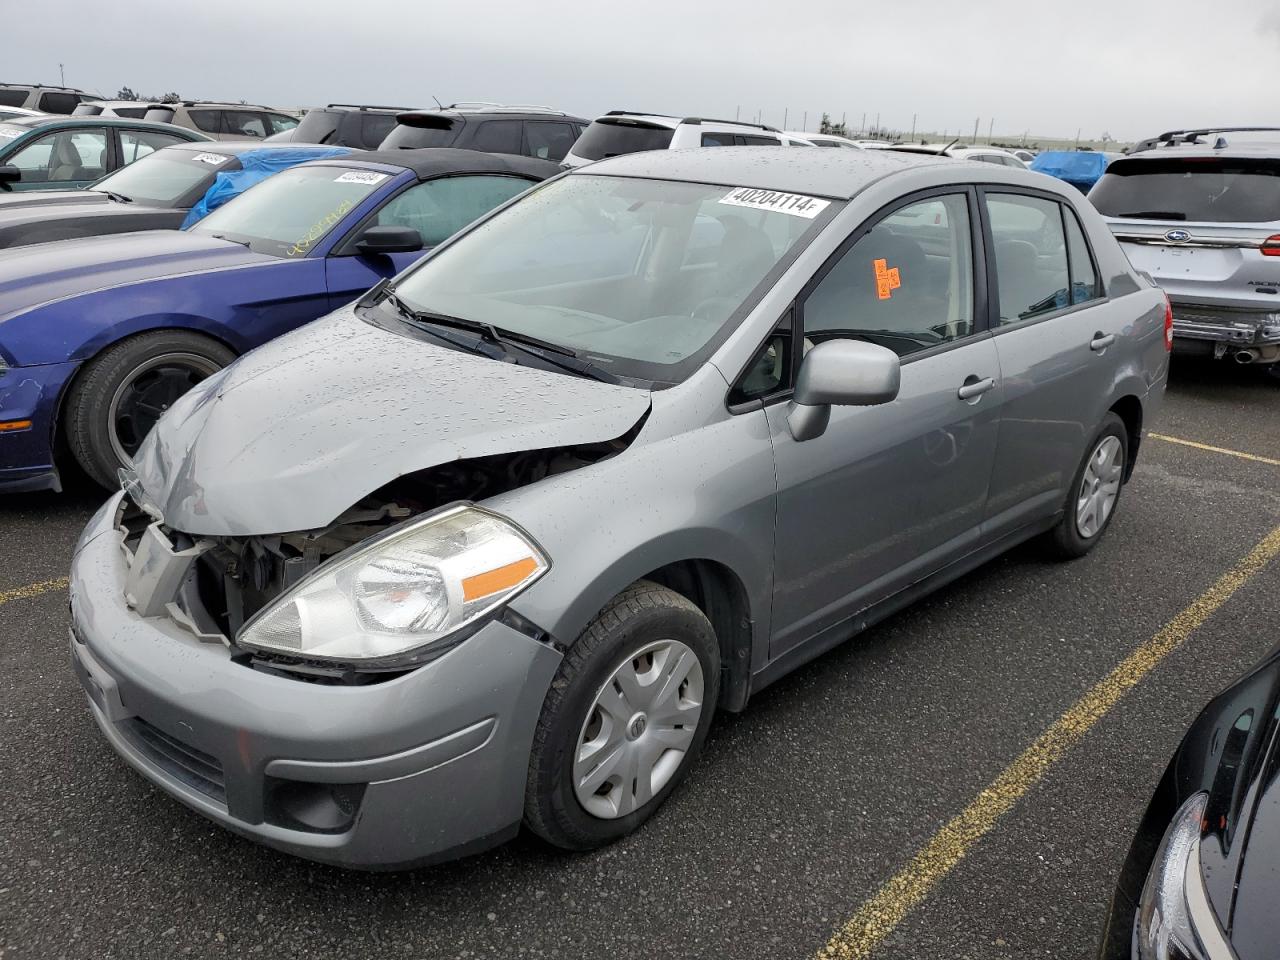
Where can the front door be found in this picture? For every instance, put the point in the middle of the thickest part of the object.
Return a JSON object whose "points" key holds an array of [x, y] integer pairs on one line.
{"points": [[891, 493], [63, 160]]}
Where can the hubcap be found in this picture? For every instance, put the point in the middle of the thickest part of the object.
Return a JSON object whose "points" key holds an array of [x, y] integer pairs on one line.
{"points": [[1099, 487], [638, 729], [147, 392]]}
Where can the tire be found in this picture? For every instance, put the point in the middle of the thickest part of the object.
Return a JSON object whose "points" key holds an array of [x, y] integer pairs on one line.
{"points": [[137, 375], [616, 650], [1071, 539]]}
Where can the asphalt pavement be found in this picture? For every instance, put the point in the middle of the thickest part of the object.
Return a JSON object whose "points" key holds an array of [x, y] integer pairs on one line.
{"points": [[800, 809]]}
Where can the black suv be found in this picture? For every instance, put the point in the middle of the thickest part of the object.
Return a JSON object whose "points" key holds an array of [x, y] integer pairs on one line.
{"points": [[344, 125], [517, 128]]}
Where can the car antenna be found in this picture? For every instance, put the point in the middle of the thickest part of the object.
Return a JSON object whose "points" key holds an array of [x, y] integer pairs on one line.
{"points": [[951, 144], [437, 100]]}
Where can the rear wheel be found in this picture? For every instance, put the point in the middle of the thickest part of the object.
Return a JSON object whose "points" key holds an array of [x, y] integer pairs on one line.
{"points": [[624, 719], [1094, 493], [121, 394]]}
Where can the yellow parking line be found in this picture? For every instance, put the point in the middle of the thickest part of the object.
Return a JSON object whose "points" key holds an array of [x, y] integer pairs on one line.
{"points": [[32, 590], [1211, 449], [877, 917]]}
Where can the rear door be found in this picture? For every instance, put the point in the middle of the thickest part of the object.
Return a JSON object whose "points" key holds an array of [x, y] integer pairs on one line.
{"points": [[1057, 339]]}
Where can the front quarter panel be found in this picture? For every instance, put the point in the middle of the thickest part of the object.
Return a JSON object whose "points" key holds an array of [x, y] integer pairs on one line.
{"points": [[697, 483]]}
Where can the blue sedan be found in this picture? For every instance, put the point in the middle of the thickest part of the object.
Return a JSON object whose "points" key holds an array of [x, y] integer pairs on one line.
{"points": [[99, 336]]}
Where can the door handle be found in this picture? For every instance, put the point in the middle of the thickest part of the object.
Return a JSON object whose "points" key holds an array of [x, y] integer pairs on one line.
{"points": [[1101, 341], [973, 388]]}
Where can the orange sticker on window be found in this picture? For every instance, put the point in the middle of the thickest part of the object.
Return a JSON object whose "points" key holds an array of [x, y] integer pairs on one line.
{"points": [[887, 279]]}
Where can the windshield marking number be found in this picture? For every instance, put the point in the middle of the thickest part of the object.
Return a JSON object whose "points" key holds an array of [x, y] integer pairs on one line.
{"points": [[213, 159], [792, 204], [361, 176]]}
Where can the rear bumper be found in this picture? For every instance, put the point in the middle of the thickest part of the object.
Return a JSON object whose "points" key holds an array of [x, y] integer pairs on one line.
{"points": [[1237, 329], [424, 767], [26, 455]]}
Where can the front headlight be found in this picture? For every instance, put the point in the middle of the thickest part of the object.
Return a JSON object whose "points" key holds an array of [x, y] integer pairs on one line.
{"points": [[406, 591], [1175, 920]]}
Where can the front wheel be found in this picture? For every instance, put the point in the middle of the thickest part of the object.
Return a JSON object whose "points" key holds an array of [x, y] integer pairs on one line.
{"points": [[1094, 492], [624, 719], [121, 394]]}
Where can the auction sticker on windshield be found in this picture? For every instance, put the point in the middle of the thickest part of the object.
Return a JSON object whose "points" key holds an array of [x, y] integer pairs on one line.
{"points": [[214, 159], [792, 204], [361, 176]]}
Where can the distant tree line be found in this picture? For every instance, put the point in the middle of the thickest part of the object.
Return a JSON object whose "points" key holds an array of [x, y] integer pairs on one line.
{"points": [[126, 93]]}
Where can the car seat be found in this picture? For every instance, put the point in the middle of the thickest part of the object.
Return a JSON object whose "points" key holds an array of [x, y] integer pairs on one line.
{"points": [[67, 163]]}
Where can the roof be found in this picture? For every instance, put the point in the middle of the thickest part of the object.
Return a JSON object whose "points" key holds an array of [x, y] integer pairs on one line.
{"points": [[431, 162], [42, 86], [827, 173], [234, 148], [1252, 149], [50, 119], [491, 113], [670, 122]]}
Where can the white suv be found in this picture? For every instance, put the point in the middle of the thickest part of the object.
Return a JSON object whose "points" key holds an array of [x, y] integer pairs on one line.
{"points": [[620, 132]]}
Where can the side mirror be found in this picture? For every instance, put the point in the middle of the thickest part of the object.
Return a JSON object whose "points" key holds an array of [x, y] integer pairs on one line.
{"points": [[9, 174], [389, 239], [848, 373]]}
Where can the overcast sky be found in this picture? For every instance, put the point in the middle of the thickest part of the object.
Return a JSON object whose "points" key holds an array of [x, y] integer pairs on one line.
{"points": [[1127, 67]]}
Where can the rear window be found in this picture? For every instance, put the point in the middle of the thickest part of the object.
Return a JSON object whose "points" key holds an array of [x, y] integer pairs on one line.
{"points": [[86, 110], [1205, 190], [614, 138], [58, 102], [159, 114], [318, 126], [423, 130]]}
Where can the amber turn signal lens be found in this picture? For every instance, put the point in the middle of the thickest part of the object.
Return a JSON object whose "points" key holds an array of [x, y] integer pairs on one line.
{"points": [[495, 581], [10, 425]]}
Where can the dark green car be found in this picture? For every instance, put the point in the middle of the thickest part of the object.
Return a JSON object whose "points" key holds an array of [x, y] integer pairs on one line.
{"points": [[62, 153]]}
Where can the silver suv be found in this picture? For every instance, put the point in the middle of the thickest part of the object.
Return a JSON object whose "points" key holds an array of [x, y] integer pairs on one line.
{"points": [[1199, 211], [620, 132], [493, 544]]}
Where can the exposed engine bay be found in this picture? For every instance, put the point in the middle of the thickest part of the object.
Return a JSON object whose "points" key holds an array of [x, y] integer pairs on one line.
{"points": [[232, 578]]}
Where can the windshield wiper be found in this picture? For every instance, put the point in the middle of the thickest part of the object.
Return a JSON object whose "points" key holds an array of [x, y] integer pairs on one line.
{"points": [[431, 324], [223, 236], [117, 197], [1153, 215], [508, 341]]}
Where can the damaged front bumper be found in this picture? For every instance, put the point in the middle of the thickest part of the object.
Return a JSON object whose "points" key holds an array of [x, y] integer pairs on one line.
{"points": [[426, 766], [1247, 336]]}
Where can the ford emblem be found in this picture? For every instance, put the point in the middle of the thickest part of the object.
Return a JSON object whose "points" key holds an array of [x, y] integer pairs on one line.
{"points": [[1177, 236]]}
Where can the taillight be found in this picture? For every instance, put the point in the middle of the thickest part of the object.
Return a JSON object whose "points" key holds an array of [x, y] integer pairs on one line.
{"points": [[1271, 246], [1168, 323]]}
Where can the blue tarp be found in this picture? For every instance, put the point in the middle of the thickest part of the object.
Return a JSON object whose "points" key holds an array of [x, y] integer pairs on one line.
{"points": [[1080, 168], [255, 166]]}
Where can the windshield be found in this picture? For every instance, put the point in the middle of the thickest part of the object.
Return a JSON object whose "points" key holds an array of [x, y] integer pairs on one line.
{"points": [[1205, 190], [289, 213], [614, 138], [640, 277], [167, 178], [429, 130]]}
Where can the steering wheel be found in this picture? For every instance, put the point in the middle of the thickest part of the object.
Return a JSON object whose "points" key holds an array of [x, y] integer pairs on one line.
{"points": [[701, 311]]}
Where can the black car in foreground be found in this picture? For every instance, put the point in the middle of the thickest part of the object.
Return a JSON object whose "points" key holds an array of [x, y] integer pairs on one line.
{"points": [[154, 193], [1202, 878]]}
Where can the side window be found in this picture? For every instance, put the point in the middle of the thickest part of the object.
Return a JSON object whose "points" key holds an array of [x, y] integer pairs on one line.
{"points": [[768, 372], [12, 98], [1084, 279], [755, 140], [64, 157], [907, 285], [1031, 255], [550, 141], [717, 139], [241, 123], [438, 209], [281, 122], [374, 128], [58, 102], [135, 144], [498, 136], [210, 121]]}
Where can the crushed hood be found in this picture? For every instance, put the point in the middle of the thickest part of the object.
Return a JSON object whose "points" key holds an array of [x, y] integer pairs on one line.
{"points": [[37, 274], [302, 428]]}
